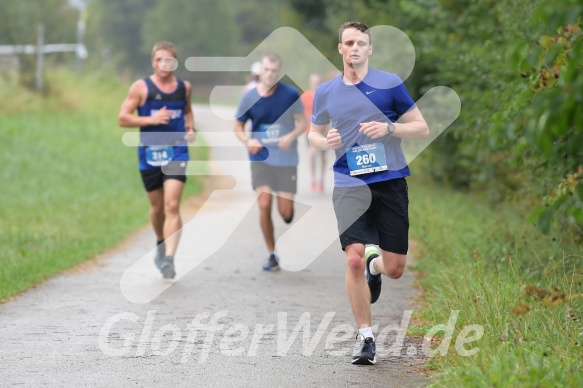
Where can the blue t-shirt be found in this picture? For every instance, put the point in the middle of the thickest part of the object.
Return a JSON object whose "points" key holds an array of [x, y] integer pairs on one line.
{"points": [[272, 117], [381, 97], [171, 134]]}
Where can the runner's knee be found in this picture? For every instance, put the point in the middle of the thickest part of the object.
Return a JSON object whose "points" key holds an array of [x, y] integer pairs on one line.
{"points": [[265, 205], [157, 210], [395, 273], [171, 206], [355, 260], [394, 265], [264, 201]]}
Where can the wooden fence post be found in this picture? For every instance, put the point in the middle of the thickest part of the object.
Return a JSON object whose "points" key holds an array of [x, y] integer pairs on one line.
{"points": [[40, 57]]}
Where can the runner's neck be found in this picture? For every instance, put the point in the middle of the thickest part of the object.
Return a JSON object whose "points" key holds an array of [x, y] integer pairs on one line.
{"points": [[352, 75], [266, 91], [165, 84]]}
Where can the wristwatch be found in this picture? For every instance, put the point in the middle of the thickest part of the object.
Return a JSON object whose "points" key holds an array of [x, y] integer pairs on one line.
{"points": [[391, 128]]}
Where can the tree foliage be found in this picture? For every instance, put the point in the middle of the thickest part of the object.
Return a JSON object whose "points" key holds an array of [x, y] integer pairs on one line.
{"points": [[207, 29], [19, 24], [19, 21], [117, 28], [516, 64], [552, 116], [517, 67]]}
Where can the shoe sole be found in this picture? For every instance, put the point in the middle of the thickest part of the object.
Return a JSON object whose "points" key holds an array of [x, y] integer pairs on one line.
{"points": [[365, 361], [168, 271], [272, 269]]}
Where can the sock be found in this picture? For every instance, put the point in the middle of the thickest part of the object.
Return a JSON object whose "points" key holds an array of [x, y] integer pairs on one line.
{"points": [[371, 268], [161, 247], [272, 253], [366, 332]]}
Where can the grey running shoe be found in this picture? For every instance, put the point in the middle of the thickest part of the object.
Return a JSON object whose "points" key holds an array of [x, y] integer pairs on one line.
{"points": [[374, 281], [167, 268], [272, 263], [160, 254], [366, 354]]}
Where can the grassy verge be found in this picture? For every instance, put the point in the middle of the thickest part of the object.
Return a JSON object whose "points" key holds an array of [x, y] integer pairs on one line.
{"points": [[523, 288], [70, 188]]}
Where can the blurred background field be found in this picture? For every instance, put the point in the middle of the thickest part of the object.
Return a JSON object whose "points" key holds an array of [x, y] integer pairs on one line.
{"points": [[70, 188]]}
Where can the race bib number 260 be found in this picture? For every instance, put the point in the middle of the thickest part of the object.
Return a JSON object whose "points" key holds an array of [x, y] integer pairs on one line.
{"points": [[367, 158]]}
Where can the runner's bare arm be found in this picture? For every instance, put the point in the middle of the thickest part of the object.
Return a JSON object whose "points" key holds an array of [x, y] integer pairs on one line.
{"points": [[412, 127], [324, 141], [300, 126], [135, 98], [189, 115], [253, 145]]}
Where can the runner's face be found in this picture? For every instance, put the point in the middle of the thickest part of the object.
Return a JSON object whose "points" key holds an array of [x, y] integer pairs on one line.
{"points": [[269, 72], [164, 63], [355, 47]]}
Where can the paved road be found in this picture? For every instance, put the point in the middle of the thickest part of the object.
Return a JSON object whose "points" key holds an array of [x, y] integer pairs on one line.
{"points": [[223, 321]]}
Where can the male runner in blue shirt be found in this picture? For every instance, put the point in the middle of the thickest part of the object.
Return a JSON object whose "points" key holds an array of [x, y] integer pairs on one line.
{"points": [[370, 192], [277, 117]]}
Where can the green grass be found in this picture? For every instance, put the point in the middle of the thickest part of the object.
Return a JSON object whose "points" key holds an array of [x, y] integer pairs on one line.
{"points": [[70, 188], [525, 289]]}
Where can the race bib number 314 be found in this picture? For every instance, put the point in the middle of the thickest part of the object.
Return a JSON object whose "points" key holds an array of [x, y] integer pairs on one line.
{"points": [[367, 158], [159, 155]]}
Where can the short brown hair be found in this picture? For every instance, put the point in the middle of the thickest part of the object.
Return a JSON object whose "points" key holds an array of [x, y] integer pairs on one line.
{"points": [[356, 25], [164, 45], [273, 57]]}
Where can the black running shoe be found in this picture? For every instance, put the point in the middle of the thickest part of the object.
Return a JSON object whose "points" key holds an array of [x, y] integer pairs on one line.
{"points": [[272, 264], [366, 353], [374, 281], [167, 268]]}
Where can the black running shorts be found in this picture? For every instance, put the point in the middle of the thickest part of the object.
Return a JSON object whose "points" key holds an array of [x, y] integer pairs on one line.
{"points": [[154, 179], [374, 214], [280, 179]]}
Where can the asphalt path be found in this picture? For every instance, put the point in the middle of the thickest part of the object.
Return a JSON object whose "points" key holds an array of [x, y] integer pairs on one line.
{"points": [[223, 321]]}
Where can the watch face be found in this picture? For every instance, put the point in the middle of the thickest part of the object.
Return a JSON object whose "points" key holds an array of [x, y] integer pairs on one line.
{"points": [[391, 128]]}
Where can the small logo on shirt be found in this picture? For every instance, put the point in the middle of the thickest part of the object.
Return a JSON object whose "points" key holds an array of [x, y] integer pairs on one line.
{"points": [[158, 97], [370, 91]]}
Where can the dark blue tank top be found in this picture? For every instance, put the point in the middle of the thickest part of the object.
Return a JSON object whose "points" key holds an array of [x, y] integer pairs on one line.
{"points": [[169, 134]]}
